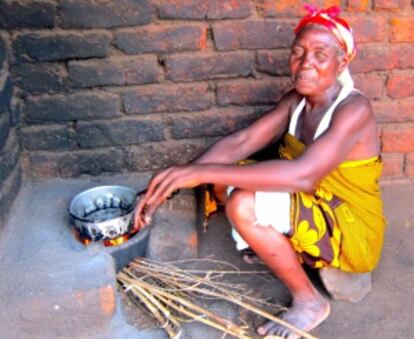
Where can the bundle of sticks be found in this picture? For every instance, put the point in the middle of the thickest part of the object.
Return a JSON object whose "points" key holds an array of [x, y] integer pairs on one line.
{"points": [[170, 293]]}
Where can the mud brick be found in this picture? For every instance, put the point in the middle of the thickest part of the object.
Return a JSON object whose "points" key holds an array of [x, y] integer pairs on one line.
{"points": [[60, 46], [400, 85], [201, 9], [157, 98], [48, 138], [289, 8], [119, 71], [40, 78], [82, 106], [398, 138], [393, 164], [27, 14], [409, 165], [162, 154], [394, 110], [230, 9], [368, 56], [402, 29], [370, 84], [216, 122], [166, 38], [253, 34], [271, 8], [9, 155], [358, 5], [4, 128], [119, 132], [260, 92], [8, 192], [390, 5], [210, 66], [274, 62], [75, 163], [405, 55], [368, 29], [102, 14]]}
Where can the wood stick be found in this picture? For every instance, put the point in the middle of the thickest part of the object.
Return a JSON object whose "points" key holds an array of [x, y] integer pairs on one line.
{"points": [[187, 279], [163, 321], [228, 325], [171, 277], [156, 303], [254, 310], [238, 334]]}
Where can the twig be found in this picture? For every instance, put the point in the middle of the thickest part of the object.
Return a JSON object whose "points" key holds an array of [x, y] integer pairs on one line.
{"points": [[166, 286], [157, 271], [153, 309], [228, 325], [235, 331]]}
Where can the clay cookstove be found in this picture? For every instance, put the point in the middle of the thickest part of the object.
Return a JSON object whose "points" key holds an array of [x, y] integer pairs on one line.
{"points": [[105, 214]]}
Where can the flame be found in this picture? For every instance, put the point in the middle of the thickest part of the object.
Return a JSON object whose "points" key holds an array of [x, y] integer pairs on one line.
{"points": [[107, 243]]}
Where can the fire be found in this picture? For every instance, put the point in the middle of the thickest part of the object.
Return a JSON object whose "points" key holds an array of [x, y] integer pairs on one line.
{"points": [[107, 243]]}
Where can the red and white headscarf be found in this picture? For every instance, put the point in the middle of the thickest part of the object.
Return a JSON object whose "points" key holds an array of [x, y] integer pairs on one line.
{"points": [[330, 19]]}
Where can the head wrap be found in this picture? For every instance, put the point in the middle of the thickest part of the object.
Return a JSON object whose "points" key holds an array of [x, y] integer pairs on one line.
{"points": [[330, 19]]}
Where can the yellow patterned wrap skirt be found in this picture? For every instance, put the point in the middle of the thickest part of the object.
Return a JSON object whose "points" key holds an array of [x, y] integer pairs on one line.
{"points": [[341, 224]]}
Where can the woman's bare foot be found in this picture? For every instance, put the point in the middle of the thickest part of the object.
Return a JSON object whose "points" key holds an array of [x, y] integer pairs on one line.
{"points": [[303, 315]]}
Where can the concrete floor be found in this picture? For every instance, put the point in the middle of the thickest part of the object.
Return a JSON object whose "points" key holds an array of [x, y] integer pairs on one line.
{"points": [[387, 312]]}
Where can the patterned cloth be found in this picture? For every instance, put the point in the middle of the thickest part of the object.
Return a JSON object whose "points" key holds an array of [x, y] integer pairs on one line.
{"points": [[330, 19], [341, 224]]}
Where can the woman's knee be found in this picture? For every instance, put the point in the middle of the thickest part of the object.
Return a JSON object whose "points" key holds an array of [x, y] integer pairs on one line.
{"points": [[240, 207]]}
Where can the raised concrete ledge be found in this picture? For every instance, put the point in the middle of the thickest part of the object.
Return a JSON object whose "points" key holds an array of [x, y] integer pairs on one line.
{"points": [[53, 286]]}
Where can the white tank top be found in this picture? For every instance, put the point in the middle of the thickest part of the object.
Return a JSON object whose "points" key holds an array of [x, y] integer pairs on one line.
{"points": [[326, 119]]}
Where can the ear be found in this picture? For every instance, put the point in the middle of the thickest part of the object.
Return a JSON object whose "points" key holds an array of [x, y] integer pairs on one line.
{"points": [[343, 62]]}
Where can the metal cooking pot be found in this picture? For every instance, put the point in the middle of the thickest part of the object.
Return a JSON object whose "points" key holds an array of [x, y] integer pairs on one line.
{"points": [[103, 212]]}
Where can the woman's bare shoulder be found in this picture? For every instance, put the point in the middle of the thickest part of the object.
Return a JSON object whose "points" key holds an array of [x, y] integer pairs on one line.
{"points": [[357, 98], [292, 97], [290, 100], [356, 103]]}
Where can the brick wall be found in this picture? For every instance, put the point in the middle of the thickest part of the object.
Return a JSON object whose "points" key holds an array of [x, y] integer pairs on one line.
{"points": [[10, 172], [124, 85]]}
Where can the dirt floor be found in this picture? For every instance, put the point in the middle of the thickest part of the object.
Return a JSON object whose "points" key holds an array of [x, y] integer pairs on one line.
{"points": [[386, 312]]}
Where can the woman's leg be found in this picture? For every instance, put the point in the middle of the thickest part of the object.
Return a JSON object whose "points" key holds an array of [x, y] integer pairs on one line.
{"points": [[220, 193], [309, 308]]}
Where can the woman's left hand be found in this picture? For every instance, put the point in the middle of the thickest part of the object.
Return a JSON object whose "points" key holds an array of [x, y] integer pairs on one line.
{"points": [[161, 186]]}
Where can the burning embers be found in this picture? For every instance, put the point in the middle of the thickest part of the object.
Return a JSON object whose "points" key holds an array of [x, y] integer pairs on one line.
{"points": [[107, 243], [104, 213]]}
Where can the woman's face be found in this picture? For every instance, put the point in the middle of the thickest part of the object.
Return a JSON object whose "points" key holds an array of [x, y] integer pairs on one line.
{"points": [[315, 60]]}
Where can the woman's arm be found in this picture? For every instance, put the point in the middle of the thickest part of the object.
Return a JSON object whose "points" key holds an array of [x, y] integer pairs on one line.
{"points": [[348, 126]]}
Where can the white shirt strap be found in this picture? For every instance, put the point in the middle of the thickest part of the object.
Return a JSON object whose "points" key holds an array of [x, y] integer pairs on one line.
{"points": [[326, 120], [295, 116]]}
